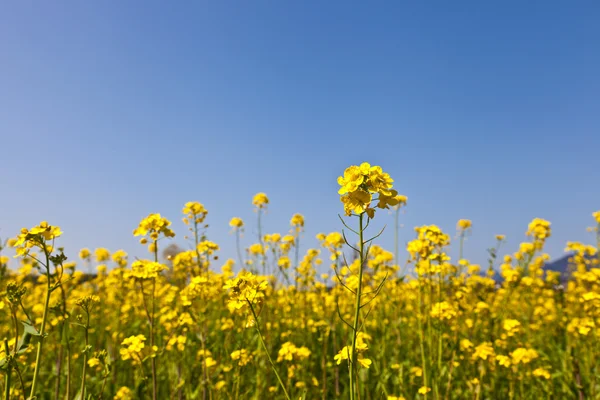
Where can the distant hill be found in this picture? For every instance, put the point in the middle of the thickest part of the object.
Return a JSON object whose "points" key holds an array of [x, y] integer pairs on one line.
{"points": [[560, 265]]}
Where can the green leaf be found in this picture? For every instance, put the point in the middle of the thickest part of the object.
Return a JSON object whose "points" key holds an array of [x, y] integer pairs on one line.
{"points": [[30, 328]]}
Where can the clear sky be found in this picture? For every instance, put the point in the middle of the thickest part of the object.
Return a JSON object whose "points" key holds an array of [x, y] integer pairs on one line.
{"points": [[482, 110]]}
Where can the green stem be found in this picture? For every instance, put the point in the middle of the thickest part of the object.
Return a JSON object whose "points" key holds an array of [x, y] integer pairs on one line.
{"points": [[262, 341], [85, 355], [8, 373], [396, 234], [297, 254], [354, 355], [153, 311], [237, 247], [421, 338], [38, 356]]}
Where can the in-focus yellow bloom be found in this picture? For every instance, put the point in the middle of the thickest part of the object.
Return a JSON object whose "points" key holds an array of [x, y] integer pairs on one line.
{"points": [[35, 237], [360, 183]]}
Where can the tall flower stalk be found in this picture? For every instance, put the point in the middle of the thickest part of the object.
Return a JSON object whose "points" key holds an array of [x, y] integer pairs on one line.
{"points": [[248, 291], [42, 237], [153, 226], [359, 185]]}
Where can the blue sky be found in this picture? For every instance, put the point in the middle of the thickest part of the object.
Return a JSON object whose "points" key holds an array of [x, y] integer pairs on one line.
{"points": [[479, 110]]}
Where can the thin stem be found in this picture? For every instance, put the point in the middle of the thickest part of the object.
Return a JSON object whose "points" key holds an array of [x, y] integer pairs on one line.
{"points": [[153, 311], [8, 373], [38, 356], [396, 234], [262, 341], [85, 354], [354, 355], [237, 247]]}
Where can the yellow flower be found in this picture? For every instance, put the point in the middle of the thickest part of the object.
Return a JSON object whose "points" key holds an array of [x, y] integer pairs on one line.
{"points": [[511, 326], [92, 362], [463, 224], [120, 258], [541, 373], [145, 269], [289, 352], [256, 249], [84, 254], [102, 254], [236, 222], [242, 356], [124, 393], [207, 247], [424, 390], [194, 213], [484, 351], [154, 224], [260, 200], [297, 220], [359, 183], [581, 326], [466, 344], [351, 180], [132, 346], [220, 385], [284, 262], [539, 228], [35, 237], [503, 360], [244, 290], [356, 202], [443, 310], [523, 355]]}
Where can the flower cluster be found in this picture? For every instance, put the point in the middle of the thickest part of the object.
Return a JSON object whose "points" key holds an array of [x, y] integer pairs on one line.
{"points": [[289, 352], [35, 237], [236, 223], [360, 183], [244, 290], [361, 346], [146, 269], [260, 200], [195, 213], [132, 347], [154, 225]]}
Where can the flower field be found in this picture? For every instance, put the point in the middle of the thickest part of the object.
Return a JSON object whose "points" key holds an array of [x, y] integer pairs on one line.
{"points": [[344, 320]]}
